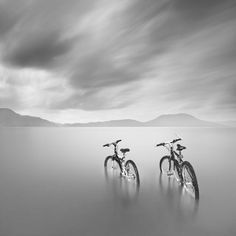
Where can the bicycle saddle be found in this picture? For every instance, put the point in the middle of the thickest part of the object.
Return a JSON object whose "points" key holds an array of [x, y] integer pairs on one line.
{"points": [[124, 150], [180, 148]]}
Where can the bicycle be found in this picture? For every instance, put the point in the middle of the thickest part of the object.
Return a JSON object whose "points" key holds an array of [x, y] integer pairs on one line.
{"points": [[127, 169], [183, 170]]}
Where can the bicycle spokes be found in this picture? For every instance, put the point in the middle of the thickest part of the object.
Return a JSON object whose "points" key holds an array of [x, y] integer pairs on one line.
{"points": [[130, 172], [114, 165], [188, 180]]}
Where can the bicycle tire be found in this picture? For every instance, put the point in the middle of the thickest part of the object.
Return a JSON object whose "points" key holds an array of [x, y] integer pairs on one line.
{"points": [[170, 165], [191, 173], [131, 163], [162, 162], [177, 171], [110, 158]]}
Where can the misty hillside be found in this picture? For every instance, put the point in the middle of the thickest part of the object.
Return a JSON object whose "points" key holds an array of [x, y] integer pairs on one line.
{"points": [[12, 119], [112, 123], [180, 120], [171, 120]]}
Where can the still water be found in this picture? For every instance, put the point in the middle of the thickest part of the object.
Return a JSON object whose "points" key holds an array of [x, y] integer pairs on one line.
{"points": [[52, 182]]}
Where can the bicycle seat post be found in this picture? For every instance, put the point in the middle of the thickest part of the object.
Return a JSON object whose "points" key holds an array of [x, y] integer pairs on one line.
{"points": [[180, 154], [124, 151], [123, 156], [115, 150]]}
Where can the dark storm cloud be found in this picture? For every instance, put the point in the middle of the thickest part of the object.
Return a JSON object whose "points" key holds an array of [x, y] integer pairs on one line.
{"points": [[10, 13], [102, 45], [6, 21], [35, 30], [40, 50], [195, 10]]}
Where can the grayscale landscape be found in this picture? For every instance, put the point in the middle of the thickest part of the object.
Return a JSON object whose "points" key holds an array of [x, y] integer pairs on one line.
{"points": [[78, 75]]}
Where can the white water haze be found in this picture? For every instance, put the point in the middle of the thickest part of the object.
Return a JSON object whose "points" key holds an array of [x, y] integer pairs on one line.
{"points": [[52, 182]]}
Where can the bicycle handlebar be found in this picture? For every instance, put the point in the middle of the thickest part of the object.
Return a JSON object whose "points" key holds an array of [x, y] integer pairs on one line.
{"points": [[172, 142], [160, 144], [176, 140], [114, 143]]}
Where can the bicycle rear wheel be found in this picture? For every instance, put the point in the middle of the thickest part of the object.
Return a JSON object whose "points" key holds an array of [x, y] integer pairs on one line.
{"points": [[132, 171], [190, 179]]}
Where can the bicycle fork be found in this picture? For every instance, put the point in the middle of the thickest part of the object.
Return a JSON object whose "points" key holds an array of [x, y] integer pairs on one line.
{"points": [[113, 163]]}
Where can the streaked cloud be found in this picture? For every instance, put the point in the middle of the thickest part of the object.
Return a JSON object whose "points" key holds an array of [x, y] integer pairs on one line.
{"points": [[112, 55]]}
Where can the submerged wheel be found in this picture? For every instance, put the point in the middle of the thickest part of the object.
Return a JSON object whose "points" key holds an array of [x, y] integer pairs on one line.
{"points": [[170, 167], [177, 171], [166, 164], [112, 165], [132, 171], [190, 179]]}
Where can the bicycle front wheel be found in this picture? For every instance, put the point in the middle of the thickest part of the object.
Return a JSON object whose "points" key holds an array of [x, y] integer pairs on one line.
{"points": [[166, 164], [177, 171], [190, 179], [112, 164], [132, 171]]}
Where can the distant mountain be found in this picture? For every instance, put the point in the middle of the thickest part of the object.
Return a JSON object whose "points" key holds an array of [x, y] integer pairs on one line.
{"points": [[112, 123], [12, 119], [171, 120], [180, 120]]}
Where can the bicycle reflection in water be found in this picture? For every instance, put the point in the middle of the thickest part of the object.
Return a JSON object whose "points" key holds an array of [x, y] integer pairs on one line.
{"points": [[124, 189], [177, 199]]}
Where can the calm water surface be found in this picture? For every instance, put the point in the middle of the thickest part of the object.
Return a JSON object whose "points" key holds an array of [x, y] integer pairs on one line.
{"points": [[52, 182]]}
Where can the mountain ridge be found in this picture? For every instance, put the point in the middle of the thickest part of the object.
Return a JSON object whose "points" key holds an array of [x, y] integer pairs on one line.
{"points": [[10, 118], [180, 120]]}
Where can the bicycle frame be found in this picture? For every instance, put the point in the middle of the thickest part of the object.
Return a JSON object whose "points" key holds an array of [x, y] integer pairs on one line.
{"points": [[173, 153], [121, 160]]}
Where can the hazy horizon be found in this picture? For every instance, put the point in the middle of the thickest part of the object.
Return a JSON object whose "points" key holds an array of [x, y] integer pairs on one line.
{"points": [[171, 119], [96, 60]]}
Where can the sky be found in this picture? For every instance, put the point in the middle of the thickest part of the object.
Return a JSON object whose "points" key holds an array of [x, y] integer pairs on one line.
{"points": [[94, 60]]}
